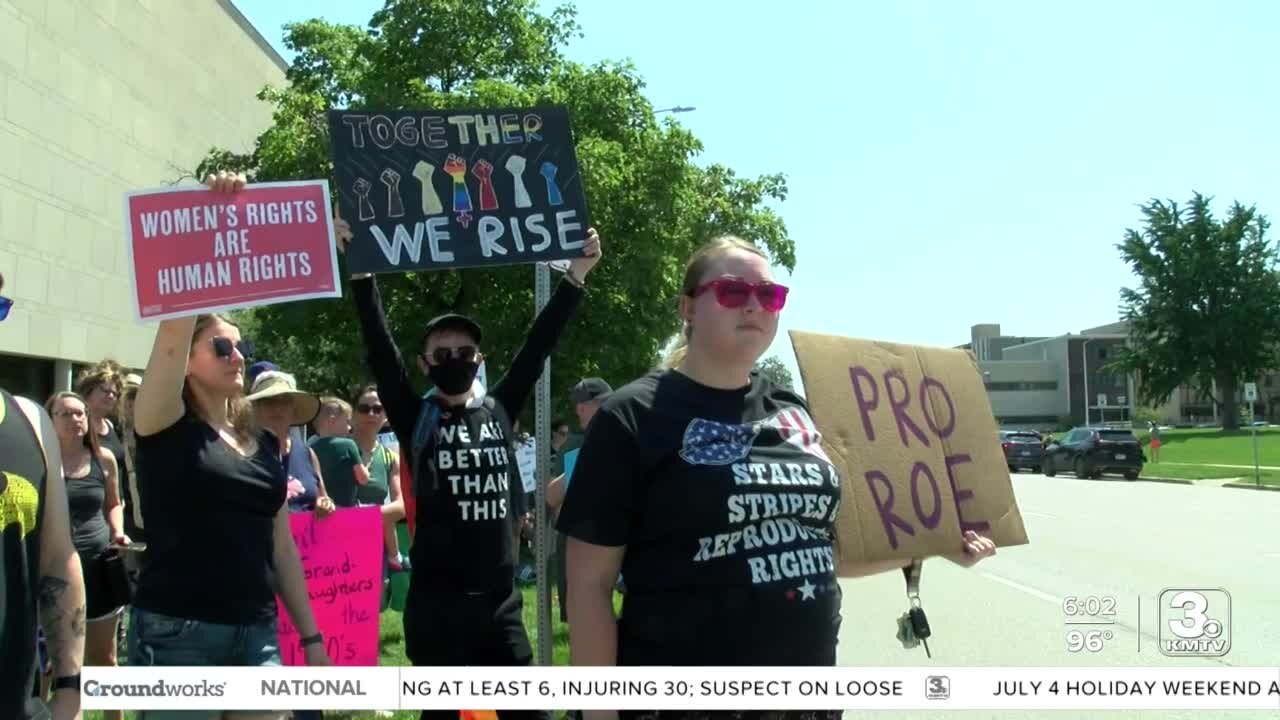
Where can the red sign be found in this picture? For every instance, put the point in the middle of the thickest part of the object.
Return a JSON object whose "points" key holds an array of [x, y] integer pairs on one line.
{"points": [[192, 250]]}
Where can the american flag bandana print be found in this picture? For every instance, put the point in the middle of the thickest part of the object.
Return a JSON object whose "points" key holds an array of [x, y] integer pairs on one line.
{"points": [[707, 442], [797, 428]]}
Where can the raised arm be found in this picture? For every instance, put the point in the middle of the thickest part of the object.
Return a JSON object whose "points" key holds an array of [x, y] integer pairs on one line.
{"points": [[159, 402], [394, 389], [513, 390], [61, 586]]}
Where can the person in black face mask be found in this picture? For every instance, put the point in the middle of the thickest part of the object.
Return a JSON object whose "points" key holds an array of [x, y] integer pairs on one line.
{"points": [[463, 606]]}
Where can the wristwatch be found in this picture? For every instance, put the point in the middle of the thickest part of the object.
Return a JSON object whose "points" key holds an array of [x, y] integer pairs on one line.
{"points": [[317, 639], [67, 682]]}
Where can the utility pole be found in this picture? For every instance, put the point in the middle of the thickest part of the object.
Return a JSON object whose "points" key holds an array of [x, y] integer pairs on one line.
{"points": [[542, 433]]}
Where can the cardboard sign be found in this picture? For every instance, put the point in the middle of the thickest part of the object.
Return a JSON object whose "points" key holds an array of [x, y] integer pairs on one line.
{"points": [[911, 431], [527, 460], [342, 562], [427, 190], [192, 250]]}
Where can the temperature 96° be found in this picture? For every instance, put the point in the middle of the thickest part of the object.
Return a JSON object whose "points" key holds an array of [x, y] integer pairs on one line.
{"points": [[1088, 640]]}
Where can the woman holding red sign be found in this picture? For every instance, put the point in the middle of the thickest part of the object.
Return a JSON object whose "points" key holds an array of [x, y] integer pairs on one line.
{"points": [[220, 547], [707, 486]]}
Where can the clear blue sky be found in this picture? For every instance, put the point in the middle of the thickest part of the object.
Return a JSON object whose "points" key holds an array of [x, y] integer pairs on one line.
{"points": [[950, 163]]}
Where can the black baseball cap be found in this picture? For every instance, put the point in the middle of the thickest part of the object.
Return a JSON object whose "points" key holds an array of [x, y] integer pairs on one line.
{"points": [[452, 321], [591, 389]]}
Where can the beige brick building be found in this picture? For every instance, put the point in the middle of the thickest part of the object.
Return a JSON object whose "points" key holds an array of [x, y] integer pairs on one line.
{"points": [[98, 97]]}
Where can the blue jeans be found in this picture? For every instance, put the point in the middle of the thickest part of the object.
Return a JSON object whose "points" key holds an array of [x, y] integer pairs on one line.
{"points": [[166, 641]]}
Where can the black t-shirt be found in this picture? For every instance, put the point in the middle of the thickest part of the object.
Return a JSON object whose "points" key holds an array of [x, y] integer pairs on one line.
{"points": [[22, 491], [726, 503], [209, 517], [467, 481]]}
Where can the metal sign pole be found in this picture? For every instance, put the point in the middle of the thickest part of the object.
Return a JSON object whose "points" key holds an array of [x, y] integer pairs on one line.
{"points": [[1257, 473], [542, 432]]}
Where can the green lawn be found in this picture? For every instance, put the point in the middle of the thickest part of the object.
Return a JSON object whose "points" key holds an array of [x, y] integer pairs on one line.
{"points": [[392, 634], [1234, 447]]}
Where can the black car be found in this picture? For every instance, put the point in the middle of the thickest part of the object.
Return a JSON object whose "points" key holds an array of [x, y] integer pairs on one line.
{"points": [[1022, 449], [1089, 452]]}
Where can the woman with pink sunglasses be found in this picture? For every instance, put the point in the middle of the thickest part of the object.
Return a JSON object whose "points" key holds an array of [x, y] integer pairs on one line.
{"points": [[706, 485]]}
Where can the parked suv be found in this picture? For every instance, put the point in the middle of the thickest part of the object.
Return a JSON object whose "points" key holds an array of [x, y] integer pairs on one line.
{"points": [[1089, 452], [1022, 449]]}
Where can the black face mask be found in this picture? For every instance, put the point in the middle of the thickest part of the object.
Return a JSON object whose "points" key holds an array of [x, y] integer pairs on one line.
{"points": [[453, 376]]}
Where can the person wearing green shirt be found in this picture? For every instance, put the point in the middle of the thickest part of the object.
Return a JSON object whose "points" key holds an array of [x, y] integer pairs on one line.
{"points": [[340, 463], [382, 467]]}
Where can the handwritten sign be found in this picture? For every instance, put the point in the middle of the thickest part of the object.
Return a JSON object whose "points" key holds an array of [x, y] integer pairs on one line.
{"points": [[464, 188], [342, 562], [192, 250], [527, 460], [911, 430]]}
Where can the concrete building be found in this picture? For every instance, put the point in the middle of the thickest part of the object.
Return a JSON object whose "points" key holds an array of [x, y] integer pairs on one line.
{"points": [[1045, 383], [100, 98]]}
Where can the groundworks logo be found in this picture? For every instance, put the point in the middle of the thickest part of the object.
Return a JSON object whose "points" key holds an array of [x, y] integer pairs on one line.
{"points": [[159, 688]]}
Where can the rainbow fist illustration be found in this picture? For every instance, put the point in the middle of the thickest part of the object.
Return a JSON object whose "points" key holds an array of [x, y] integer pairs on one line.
{"points": [[456, 168]]}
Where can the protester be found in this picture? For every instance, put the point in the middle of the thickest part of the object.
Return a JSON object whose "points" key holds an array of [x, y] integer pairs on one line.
{"points": [[97, 522], [102, 386], [278, 406], [381, 469], [215, 511], [1155, 443], [587, 397], [463, 606], [340, 462], [660, 480], [39, 566]]}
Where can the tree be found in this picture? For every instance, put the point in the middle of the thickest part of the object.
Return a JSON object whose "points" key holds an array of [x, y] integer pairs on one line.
{"points": [[772, 368], [651, 203], [1205, 309]]}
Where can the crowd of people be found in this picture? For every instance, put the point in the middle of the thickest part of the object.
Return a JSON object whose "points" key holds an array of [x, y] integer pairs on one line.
{"points": [[167, 497]]}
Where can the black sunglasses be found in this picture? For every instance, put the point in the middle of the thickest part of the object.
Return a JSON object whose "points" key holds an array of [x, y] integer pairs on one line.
{"points": [[369, 409], [223, 347], [6, 304], [466, 352]]}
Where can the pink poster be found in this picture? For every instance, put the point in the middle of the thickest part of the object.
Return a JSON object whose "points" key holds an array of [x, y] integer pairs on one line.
{"points": [[342, 560], [192, 250]]}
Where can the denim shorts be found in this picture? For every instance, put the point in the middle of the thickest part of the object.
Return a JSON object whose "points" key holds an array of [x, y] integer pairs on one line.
{"points": [[167, 641]]}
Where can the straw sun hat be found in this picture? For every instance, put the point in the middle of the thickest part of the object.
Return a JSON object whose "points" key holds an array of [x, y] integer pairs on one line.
{"points": [[275, 384]]}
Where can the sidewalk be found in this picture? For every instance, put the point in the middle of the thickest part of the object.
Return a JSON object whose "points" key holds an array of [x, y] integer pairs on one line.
{"points": [[1234, 467]]}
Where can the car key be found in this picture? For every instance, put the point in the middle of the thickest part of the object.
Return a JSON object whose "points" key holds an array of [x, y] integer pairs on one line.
{"points": [[920, 627]]}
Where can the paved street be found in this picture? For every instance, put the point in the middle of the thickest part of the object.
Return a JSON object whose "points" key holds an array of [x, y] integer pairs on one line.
{"points": [[1129, 540]]}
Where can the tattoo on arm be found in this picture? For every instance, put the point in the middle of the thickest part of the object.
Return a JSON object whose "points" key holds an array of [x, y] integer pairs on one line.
{"points": [[63, 626]]}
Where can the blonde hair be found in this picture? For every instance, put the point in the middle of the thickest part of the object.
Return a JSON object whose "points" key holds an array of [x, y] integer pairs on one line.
{"points": [[239, 408], [331, 405], [694, 272]]}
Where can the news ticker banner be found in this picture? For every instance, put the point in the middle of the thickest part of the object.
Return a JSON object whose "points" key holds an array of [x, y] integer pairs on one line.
{"points": [[697, 688]]}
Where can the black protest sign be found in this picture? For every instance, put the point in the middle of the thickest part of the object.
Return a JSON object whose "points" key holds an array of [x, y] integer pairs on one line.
{"points": [[427, 190]]}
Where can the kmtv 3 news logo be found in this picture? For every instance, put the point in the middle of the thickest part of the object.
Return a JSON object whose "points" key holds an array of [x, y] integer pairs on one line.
{"points": [[1195, 622], [937, 687]]}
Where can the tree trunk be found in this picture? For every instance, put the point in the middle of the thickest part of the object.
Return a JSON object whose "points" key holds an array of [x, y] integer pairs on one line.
{"points": [[1230, 408]]}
